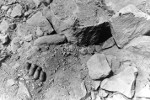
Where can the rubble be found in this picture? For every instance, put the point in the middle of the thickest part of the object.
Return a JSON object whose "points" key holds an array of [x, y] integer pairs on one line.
{"points": [[17, 11], [98, 66], [123, 82]]}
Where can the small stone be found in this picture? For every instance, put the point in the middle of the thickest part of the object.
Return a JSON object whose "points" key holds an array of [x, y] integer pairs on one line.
{"points": [[39, 32], [37, 2], [96, 84], [98, 48], [98, 66], [5, 7], [123, 82], [91, 49], [103, 93], [4, 26], [15, 45], [28, 38], [16, 65], [108, 43], [83, 51], [4, 39], [17, 11]]}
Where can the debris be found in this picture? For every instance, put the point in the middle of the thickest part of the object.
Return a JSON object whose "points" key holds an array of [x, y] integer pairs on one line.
{"points": [[123, 82], [50, 39], [83, 51], [98, 66], [4, 26], [17, 11]]}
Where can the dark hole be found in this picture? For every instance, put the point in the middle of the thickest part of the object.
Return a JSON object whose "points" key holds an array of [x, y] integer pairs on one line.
{"points": [[94, 35]]}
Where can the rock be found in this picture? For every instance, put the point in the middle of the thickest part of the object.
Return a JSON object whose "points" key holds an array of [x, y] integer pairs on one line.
{"points": [[143, 93], [5, 7], [4, 26], [98, 66], [96, 84], [41, 22], [15, 45], [4, 39], [39, 32], [102, 93], [135, 11], [121, 31], [139, 45], [108, 43], [17, 11], [50, 39], [87, 19], [83, 51], [28, 38], [11, 1], [123, 82], [98, 48], [117, 97], [116, 5], [37, 2]]}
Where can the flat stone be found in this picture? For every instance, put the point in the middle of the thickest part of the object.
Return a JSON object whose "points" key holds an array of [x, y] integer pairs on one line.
{"points": [[4, 26], [121, 31], [41, 22], [98, 66], [144, 92], [17, 11], [124, 81], [117, 97], [103, 93], [15, 45], [96, 84]]}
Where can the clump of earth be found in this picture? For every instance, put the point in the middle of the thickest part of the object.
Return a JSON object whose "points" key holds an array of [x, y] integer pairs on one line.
{"points": [[74, 50]]}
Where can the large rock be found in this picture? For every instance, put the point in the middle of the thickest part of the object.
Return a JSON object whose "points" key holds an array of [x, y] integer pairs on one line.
{"points": [[98, 66], [126, 27], [39, 20], [123, 82]]}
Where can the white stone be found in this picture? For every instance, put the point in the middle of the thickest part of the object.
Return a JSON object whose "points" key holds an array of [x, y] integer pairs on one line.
{"points": [[39, 32], [37, 2], [123, 82], [28, 38], [17, 11], [5, 7], [103, 93], [4, 26], [95, 84], [98, 66]]}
